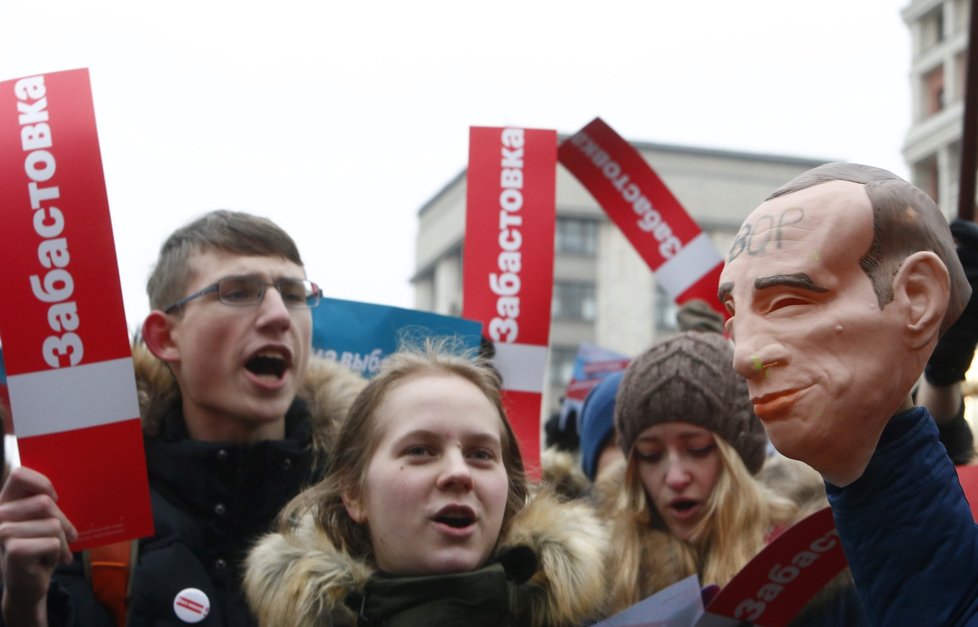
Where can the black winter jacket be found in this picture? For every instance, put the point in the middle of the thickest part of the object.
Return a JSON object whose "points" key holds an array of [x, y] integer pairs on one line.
{"points": [[210, 502]]}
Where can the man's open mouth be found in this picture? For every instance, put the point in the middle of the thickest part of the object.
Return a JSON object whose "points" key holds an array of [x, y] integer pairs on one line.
{"points": [[267, 365]]}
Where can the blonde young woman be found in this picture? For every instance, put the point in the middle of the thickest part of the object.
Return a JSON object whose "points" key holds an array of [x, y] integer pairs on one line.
{"points": [[425, 518], [689, 501]]}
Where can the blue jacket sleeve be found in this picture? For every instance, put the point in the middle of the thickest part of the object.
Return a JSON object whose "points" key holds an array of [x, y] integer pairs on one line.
{"points": [[908, 532]]}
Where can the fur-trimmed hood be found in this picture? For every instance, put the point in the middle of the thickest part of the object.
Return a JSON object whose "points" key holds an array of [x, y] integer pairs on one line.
{"points": [[300, 579], [328, 388]]}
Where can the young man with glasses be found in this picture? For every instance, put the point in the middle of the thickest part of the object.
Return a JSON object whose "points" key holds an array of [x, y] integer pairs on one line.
{"points": [[235, 416]]}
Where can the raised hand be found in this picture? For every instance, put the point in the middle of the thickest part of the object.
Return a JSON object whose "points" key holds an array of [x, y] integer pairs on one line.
{"points": [[34, 537]]}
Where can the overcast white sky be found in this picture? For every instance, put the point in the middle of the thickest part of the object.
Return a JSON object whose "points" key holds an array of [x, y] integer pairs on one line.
{"points": [[340, 120]]}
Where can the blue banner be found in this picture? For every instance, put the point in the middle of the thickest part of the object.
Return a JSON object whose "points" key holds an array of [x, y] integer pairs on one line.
{"points": [[362, 335]]}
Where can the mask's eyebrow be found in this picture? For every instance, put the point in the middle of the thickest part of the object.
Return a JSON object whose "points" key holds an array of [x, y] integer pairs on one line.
{"points": [[799, 280]]}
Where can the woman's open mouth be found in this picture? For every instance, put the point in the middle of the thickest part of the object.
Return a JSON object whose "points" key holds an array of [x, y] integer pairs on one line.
{"points": [[684, 509], [455, 519]]}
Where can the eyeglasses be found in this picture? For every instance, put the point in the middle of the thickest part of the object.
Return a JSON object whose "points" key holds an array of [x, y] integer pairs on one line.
{"points": [[247, 291]]}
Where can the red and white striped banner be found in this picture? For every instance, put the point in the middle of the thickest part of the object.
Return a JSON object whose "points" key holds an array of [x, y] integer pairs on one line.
{"points": [[685, 261], [65, 343], [509, 261]]}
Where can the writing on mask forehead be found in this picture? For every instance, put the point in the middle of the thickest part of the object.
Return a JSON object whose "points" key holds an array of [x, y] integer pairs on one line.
{"points": [[756, 236]]}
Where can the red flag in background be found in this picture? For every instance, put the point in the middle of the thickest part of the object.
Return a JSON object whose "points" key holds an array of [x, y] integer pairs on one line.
{"points": [[508, 264], [686, 263]]}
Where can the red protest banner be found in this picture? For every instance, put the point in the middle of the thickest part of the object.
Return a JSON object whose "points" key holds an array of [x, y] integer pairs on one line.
{"points": [[65, 344], [508, 263], [685, 261], [774, 586]]}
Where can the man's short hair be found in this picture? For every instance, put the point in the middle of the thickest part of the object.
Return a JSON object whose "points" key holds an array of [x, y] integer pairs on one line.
{"points": [[905, 221], [221, 230]]}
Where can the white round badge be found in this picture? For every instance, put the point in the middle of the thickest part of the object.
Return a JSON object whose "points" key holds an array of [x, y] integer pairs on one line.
{"points": [[191, 605]]}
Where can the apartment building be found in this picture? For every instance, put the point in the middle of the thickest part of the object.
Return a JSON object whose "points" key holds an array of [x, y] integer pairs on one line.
{"points": [[939, 44]]}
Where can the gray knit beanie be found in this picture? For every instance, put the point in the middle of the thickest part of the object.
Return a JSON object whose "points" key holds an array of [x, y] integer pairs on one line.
{"points": [[690, 378]]}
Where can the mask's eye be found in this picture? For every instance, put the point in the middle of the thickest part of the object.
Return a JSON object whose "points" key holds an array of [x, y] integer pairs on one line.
{"points": [[787, 301]]}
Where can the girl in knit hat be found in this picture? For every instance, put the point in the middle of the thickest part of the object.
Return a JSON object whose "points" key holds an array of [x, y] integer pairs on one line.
{"points": [[689, 502]]}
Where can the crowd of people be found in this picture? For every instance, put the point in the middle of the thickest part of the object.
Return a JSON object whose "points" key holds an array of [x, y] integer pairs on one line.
{"points": [[288, 491]]}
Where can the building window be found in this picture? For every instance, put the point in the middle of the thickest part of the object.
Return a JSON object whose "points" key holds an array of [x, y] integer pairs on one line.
{"points": [[934, 90], [665, 310], [933, 28], [573, 300], [961, 15], [562, 365], [576, 236]]}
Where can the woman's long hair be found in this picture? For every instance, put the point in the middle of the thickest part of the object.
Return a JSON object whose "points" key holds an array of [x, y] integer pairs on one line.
{"points": [[738, 517]]}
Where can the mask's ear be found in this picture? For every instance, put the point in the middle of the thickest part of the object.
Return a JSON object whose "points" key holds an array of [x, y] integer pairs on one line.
{"points": [[354, 507], [158, 336], [922, 283]]}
